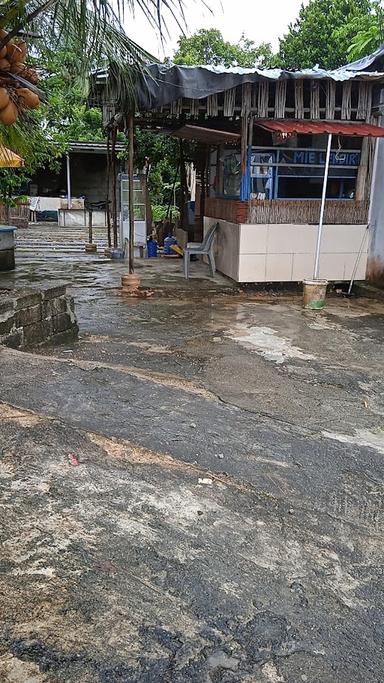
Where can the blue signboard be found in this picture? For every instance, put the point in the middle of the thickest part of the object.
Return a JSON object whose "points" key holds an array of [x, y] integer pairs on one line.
{"points": [[303, 157], [315, 157]]}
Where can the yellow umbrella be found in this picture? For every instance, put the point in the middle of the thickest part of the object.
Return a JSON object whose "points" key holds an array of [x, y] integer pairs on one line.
{"points": [[9, 159]]}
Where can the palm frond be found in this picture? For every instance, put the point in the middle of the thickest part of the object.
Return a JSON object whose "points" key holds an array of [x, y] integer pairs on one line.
{"points": [[20, 14], [96, 44], [93, 31]]}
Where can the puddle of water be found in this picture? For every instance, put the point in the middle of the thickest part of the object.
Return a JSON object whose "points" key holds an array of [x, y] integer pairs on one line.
{"points": [[361, 437], [267, 342]]}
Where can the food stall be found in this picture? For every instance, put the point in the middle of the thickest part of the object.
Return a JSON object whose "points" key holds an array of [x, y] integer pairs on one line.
{"points": [[272, 236], [261, 138]]}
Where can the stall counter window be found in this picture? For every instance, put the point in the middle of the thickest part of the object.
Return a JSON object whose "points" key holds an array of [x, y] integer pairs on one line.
{"points": [[285, 173]]}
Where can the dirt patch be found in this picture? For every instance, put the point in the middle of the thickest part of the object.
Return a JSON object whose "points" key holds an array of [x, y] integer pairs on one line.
{"points": [[142, 456], [25, 418]]}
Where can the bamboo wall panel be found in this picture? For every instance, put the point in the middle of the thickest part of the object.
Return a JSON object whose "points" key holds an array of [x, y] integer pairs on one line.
{"points": [[337, 212], [330, 102], [177, 107], [229, 102], [315, 99], [346, 101], [194, 107], [299, 99], [246, 100], [254, 98], [212, 105], [280, 98], [369, 103], [262, 100], [362, 106], [311, 99]]}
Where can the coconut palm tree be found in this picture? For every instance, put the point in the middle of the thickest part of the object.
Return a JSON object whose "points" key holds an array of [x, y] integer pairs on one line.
{"points": [[90, 29]]}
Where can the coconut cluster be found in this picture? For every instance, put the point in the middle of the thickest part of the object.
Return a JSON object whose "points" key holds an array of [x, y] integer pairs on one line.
{"points": [[14, 98]]}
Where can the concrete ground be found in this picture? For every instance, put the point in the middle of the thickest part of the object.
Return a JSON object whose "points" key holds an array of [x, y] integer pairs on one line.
{"points": [[193, 491]]}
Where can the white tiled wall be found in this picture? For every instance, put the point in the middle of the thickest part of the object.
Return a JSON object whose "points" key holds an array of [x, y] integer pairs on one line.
{"points": [[252, 268], [278, 267], [284, 253]]}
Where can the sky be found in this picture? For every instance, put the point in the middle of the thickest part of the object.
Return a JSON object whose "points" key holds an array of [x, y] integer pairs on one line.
{"points": [[259, 20]]}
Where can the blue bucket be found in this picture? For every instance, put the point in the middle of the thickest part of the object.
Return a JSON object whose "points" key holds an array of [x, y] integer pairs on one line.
{"points": [[167, 245], [151, 248], [117, 253]]}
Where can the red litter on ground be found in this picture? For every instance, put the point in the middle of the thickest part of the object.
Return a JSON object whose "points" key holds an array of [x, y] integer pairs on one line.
{"points": [[73, 459]]}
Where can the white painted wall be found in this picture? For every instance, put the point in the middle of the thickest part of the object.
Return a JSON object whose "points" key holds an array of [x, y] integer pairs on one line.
{"points": [[285, 253], [77, 218]]}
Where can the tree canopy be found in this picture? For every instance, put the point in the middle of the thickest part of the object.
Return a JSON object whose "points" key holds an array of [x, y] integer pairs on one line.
{"points": [[207, 46], [65, 114], [324, 32], [370, 34]]}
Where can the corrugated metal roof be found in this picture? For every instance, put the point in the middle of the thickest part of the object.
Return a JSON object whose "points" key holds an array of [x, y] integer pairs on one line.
{"points": [[93, 147], [319, 127]]}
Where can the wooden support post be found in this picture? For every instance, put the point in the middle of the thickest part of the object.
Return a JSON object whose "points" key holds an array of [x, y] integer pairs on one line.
{"points": [[362, 173], [131, 195], [114, 186], [69, 191], [90, 227], [107, 207], [183, 189], [219, 172]]}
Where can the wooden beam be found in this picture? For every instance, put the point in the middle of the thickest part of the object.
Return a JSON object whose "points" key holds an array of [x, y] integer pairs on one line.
{"points": [[131, 194], [362, 173]]}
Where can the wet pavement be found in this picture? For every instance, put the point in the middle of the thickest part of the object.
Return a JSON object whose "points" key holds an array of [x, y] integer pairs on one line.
{"points": [[193, 491]]}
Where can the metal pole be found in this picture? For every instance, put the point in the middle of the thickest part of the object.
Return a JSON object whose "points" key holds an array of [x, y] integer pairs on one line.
{"points": [[108, 208], [131, 195], [90, 227], [323, 197], [69, 197]]}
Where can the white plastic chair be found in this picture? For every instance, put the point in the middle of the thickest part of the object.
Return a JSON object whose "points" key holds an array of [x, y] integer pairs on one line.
{"points": [[204, 248]]}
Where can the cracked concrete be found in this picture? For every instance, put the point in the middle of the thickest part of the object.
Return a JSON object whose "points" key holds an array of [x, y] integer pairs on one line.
{"points": [[179, 505]]}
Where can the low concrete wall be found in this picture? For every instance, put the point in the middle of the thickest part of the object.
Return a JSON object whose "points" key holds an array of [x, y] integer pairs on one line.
{"points": [[285, 253], [29, 316]]}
